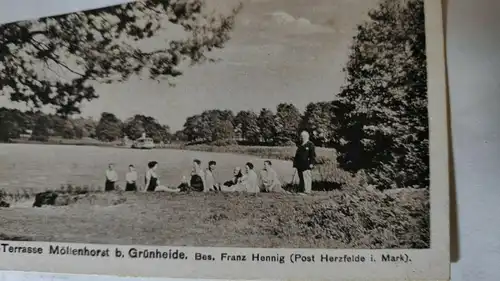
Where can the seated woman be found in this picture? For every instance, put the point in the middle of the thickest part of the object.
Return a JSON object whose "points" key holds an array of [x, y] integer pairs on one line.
{"points": [[153, 181], [237, 175], [270, 181], [247, 183], [197, 181], [251, 181], [210, 178]]}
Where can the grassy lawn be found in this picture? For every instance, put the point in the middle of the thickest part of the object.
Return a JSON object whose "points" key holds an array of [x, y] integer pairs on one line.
{"points": [[63, 141], [338, 219], [266, 152]]}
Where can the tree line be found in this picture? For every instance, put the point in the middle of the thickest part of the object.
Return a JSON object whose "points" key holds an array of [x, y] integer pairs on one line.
{"points": [[217, 127], [109, 128], [247, 127]]}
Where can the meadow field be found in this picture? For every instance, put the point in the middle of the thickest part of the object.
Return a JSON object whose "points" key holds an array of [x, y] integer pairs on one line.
{"points": [[270, 152], [40, 167], [350, 215], [338, 219]]}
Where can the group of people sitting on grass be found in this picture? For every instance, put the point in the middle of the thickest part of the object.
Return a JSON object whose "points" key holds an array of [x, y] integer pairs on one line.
{"points": [[202, 180], [246, 180], [205, 180]]}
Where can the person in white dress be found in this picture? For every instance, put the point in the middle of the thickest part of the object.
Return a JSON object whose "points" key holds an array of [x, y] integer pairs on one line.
{"points": [[248, 183], [251, 179]]}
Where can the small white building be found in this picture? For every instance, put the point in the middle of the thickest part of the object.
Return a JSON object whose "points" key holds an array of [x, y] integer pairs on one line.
{"points": [[143, 142]]}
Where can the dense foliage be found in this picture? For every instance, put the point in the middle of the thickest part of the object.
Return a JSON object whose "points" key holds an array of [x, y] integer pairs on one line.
{"points": [[220, 127], [384, 130], [109, 127], [210, 126], [265, 128], [15, 123], [134, 127], [54, 61]]}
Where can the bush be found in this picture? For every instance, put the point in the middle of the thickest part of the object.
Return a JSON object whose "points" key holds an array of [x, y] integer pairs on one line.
{"points": [[69, 194], [364, 219], [317, 185], [383, 126], [40, 138], [7, 237], [328, 177], [224, 142]]}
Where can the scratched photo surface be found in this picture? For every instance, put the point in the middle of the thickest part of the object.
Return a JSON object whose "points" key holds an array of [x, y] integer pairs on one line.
{"points": [[252, 123]]}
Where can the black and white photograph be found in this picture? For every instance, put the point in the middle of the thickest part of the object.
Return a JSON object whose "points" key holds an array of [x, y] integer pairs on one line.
{"points": [[264, 124]]}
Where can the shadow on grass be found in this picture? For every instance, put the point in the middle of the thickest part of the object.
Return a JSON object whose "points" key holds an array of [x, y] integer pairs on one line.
{"points": [[15, 237], [316, 186]]}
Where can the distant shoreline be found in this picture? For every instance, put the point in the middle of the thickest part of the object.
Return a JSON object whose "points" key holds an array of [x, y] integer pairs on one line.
{"points": [[63, 142], [270, 152]]}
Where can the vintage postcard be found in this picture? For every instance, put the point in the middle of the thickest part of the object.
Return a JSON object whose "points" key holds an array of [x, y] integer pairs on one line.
{"points": [[217, 139]]}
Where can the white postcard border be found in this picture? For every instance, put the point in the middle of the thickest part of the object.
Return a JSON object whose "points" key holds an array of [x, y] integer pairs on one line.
{"points": [[425, 264]]}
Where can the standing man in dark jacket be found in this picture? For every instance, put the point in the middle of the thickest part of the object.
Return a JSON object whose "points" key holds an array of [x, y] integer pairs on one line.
{"points": [[304, 160]]}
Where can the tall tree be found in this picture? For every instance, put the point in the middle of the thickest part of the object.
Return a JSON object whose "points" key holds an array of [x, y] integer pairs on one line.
{"points": [[133, 128], [267, 125], [180, 136], [219, 124], [109, 127], [189, 128], [155, 130], [210, 126], [223, 130], [287, 123], [41, 131], [247, 124], [9, 126], [84, 127], [68, 129], [102, 45], [139, 124], [59, 127], [196, 129], [319, 120], [385, 131]]}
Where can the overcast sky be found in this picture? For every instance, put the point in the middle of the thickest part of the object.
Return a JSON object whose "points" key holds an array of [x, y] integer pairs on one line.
{"points": [[280, 51]]}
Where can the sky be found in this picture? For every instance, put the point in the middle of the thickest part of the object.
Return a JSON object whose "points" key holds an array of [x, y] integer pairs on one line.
{"points": [[280, 51]]}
